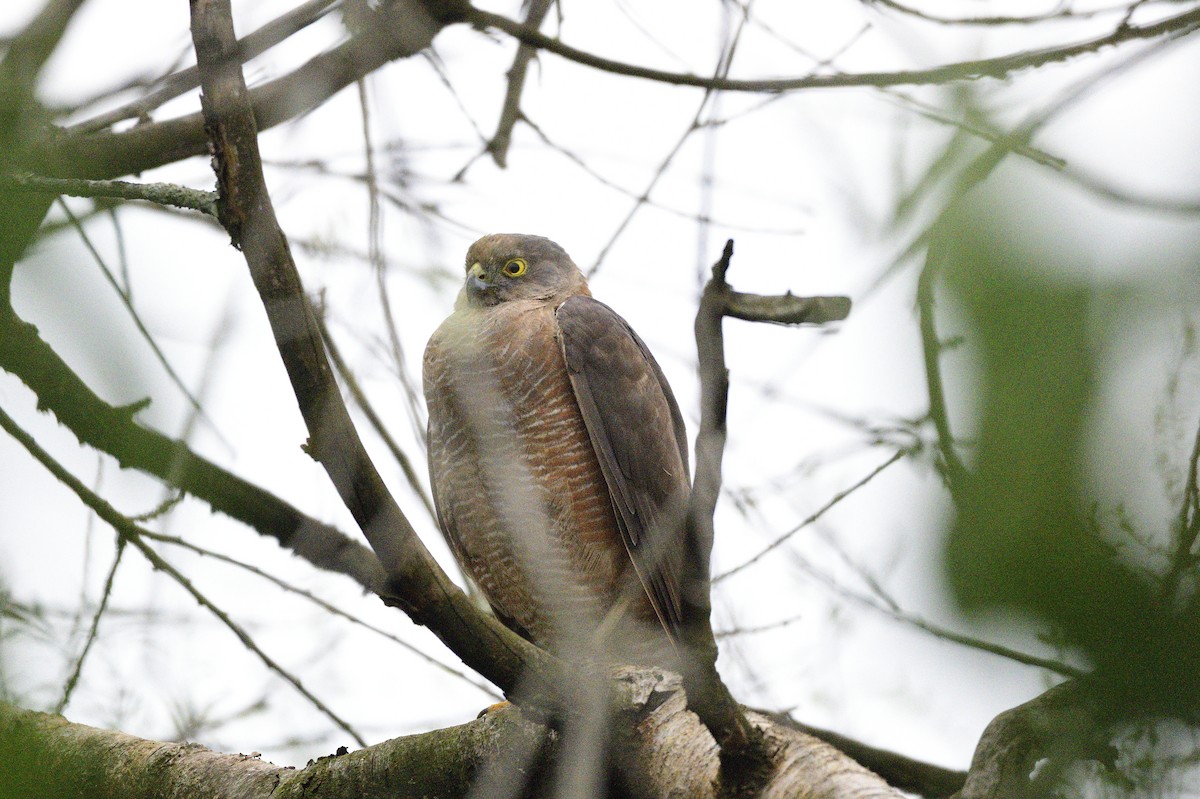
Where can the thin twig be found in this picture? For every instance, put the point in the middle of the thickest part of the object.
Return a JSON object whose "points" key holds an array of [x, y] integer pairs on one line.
{"points": [[938, 631], [1063, 12], [159, 355], [834, 500], [999, 67], [953, 469], [105, 594], [132, 533], [364, 404], [160, 193], [379, 267], [722, 70], [1187, 525], [595, 174], [321, 603]]}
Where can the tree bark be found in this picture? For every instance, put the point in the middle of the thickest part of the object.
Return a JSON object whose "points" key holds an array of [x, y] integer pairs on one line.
{"points": [[670, 754]]}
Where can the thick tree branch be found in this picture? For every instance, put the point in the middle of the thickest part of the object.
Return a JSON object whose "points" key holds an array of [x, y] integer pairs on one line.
{"points": [[500, 754], [416, 582], [399, 29], [903, 773], [24, 58], [1056, 728]]}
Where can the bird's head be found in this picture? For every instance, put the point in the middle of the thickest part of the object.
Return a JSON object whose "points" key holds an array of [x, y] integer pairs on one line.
{"points": [[511, 266]]}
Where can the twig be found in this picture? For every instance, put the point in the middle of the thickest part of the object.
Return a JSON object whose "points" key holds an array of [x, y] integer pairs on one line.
{"points": [[999, 67], [510, 112], [595, 174], [161, 193], [379, 267], [1061, 13], [937, 631], [1187, 526], [931, 350], [159, 355], [132, 533], [105, 594], [834, 500], [321, 603], [364, 404], [721, 71]]}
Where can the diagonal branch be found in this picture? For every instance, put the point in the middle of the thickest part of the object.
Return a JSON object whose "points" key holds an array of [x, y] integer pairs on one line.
{"points": [[24, 58], [1000, 67], [178, 83], [397, 30], [113, 430], [511, 110], [417, 583], [132, 533]]}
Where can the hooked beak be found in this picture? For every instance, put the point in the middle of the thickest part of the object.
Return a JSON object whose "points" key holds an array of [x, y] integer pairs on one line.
{"points": [[475, 277], [478, 284]]}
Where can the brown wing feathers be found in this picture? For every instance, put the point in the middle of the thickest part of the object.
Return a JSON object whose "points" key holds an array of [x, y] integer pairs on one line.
{"points": [[637, 433]]}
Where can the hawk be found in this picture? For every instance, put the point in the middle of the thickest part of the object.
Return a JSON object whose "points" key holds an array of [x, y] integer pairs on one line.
{"points": [[558, 458]]}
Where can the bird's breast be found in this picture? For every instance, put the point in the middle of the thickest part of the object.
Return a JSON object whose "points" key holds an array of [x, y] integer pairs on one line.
{"points": [[513, 464]]}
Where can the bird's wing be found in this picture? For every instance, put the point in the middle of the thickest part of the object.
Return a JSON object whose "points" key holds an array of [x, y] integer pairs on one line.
{"points": [[638, 435]]}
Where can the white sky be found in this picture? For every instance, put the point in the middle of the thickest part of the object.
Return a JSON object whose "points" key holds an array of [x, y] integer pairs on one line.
{"points": [[806, 184]]}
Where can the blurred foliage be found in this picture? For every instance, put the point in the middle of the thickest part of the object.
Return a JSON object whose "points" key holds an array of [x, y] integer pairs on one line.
{"points": [[1024, 539]]}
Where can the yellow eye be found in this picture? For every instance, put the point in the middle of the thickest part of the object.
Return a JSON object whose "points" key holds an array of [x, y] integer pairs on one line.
{"points": [[516, 267]]}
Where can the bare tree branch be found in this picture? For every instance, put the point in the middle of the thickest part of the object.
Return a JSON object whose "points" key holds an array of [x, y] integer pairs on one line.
{"points": [[1000, 67], [510, 112], [161, 193], [903, 773], [416, 582], [743, 758], [93, 629], [399, 29], [113, 430], [24, 58], [177, 83], [131, 533]]}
